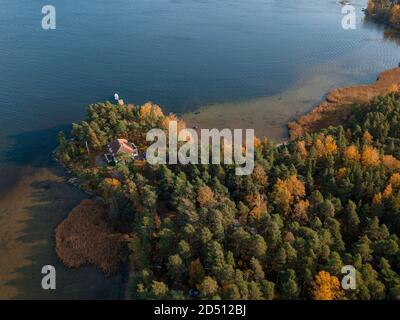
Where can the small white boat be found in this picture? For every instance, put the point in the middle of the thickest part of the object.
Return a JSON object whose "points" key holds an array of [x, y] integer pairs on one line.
{"points": [[116, 96]]}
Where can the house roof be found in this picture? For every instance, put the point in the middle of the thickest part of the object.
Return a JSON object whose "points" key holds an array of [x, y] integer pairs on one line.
{"points": [[121, 146]]}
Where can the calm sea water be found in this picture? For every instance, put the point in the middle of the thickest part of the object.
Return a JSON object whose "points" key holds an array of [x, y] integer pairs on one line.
{"points": [[181, 54]]}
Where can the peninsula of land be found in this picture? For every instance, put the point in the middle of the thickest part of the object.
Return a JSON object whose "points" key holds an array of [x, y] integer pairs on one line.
{"points": [[328, 197]]}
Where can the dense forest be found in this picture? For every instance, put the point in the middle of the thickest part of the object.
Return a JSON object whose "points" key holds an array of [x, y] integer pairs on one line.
{"points": [[387, 11], [310, 206]]}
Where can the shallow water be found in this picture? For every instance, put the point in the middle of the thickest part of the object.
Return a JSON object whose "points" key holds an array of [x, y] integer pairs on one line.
{"points": [[271, 58]]}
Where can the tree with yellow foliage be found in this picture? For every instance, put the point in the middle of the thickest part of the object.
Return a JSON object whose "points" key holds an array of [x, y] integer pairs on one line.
{"points": [[326, 287], [351, 153], [391, 162], [111, 183], [295, 186], [325, 146], [257, 143], [395, 15], [387, 193], [172, 117], [205, 195], [259, 175], [150, 109], [367, 137], [301, 149], [330, 145], [370, 157], [342, 172], [301, 210], [395, 180], [285, 191], [282, 196], [377, 199], [257, 205]]}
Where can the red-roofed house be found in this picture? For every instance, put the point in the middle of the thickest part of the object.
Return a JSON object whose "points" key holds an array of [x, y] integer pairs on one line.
{"points": [[118, 147]]}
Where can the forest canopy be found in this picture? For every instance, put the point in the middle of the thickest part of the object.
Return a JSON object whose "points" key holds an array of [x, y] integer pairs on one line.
{"points": [[311, 206]]}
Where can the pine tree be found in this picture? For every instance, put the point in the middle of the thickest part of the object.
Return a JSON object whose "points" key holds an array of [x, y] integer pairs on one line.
{"points": [[289, 287]]}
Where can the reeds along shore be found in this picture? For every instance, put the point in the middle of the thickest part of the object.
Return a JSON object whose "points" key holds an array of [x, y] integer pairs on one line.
{"points": [[86, 237], [338, 104]]}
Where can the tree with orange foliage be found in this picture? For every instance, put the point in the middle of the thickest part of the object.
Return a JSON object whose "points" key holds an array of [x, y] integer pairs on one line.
{"points": [[301, 210], [395, 180], [260, 176], [111, 183], [351, 153], [391, 162], [172, 117], [395, 14], [205, 195], [286, 190], [342, 172], [330, 145], [319, 146], [326, 287], [150, 109], [282, 196], [377, 199], [295, 186], [387, 193], [367, 137], [257, 205], [301, 149], [370, 157], [257, 143], [325, 146]]}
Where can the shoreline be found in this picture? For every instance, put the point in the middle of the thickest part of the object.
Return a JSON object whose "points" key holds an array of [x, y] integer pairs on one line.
{"points": [[33, 176], [297, 110], [29, 213], [44, 178], [286, 115], [337, 105], [269, 115], [380, 19]]}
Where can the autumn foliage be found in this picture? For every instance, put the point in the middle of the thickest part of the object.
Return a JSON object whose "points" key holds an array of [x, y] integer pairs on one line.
{"points": [[395, 17], [86, 237], [326, 287], [395, 180], [370, 157], [205, 195], [325, 146], [310, 206], [351, 153], [286, 191], [391, 162]]}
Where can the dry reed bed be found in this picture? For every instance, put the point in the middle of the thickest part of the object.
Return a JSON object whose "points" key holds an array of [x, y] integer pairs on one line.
{"points": [[86, 237]]}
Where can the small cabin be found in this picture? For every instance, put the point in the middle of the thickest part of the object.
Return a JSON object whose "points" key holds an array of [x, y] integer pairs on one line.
{"points": [[120, 147]]}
